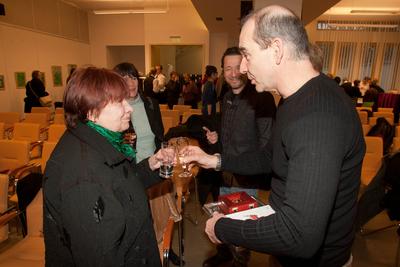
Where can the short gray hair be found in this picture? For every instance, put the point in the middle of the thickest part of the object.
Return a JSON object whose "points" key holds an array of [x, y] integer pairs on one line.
{"points": [[269, 24]]}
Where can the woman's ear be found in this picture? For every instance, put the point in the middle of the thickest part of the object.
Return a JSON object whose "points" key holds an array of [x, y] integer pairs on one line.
{"points": [[91, 116]]}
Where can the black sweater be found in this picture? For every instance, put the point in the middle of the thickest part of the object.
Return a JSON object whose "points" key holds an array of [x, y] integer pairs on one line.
{"points": [[315, 153]]}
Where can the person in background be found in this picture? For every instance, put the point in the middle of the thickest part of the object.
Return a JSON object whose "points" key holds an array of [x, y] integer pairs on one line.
{"points": [[95, 207], [173, 89], [315, 153], [190, 92], [374, 84], [159, 83], [34, 89], [246, 125], [148, 84], [209, 96], [146, 118]]}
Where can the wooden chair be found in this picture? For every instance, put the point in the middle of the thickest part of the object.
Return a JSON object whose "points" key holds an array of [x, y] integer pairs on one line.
{"points": [[396, 144], [29, 132], [372, 159], [163, 106], [55, 132], [364, 108], [167, 123], [383, 114], [363, 117], [366, 128], [59, 119], [397, 133], [9, 118], [30, 250], [41, 118], [174, 114], [13, 154], [48, 148], [181, 108], [59, 111], [387, 110], [372, 120], [45, 110], [165, 214], [2, 132]]}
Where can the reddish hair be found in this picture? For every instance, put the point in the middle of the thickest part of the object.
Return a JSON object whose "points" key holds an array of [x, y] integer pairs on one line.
{"points": [[89, 90]]}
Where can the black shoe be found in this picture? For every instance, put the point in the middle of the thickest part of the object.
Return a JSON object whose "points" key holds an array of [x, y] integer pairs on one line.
{"points": [[175, 259], [223, 255]]}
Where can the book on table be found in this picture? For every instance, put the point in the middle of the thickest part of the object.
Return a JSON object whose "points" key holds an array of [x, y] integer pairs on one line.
{"points": [[239, 206]]}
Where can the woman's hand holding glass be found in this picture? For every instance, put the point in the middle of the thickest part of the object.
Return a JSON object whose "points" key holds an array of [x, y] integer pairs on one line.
{"points": [[164, 157]]}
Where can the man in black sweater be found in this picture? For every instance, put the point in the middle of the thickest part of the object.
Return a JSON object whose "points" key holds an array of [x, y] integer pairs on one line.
{"points": [[315, 152]]}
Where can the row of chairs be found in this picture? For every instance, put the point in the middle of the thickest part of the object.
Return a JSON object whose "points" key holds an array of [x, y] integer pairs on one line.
{"points": [[176, 116]]}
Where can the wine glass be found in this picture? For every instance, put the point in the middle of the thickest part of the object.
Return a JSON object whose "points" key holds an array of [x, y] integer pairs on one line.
{"points": [[181, 143], [166, 168]]}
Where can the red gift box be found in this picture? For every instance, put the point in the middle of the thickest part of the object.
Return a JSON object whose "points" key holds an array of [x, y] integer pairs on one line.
{"points": [[236, 202]]}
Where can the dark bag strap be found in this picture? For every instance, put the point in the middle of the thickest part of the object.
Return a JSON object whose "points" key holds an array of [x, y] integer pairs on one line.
{"points": [[33, 92]]}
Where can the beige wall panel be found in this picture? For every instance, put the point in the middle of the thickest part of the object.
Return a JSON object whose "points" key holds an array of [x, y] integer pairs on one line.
{"points": [[46, 16]]}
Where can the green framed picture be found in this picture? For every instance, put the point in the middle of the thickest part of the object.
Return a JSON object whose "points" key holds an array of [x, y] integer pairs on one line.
{"points": [[57, 75], [2, 86], [20, 79]]}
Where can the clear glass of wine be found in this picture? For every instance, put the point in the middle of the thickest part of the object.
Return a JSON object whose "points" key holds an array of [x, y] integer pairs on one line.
{"points": [[181, 143]]}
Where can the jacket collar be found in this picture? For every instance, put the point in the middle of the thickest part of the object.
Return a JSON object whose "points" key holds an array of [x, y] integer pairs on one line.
{"points": [[98, 143]]}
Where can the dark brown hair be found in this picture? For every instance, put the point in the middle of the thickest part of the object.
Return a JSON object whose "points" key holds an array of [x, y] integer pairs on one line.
{"points": [[89, 91]]}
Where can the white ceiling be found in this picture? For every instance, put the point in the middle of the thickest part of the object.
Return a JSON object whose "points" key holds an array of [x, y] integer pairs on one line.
{"points": [[342, 8]]}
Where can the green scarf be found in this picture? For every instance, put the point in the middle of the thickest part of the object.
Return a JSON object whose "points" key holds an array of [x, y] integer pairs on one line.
{"points": [[115, 138]]}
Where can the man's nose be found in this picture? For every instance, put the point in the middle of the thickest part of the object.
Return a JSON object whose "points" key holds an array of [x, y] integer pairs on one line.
{"points": [[243, 66]]}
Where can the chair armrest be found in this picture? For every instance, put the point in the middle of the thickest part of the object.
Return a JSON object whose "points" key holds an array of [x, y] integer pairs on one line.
{"points": [[8, 216], [35, 144], [167, 240], [20, 171]]}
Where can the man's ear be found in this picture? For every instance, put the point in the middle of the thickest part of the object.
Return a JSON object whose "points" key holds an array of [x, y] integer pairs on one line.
{"points": [[277, 47]]}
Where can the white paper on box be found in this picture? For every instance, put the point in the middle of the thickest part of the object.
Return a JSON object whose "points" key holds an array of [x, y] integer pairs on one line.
{"points": [[252, 214]]}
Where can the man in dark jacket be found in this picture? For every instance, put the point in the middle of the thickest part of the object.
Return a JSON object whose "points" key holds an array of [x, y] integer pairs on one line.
{"points": [[247, 118], [34, 90]]}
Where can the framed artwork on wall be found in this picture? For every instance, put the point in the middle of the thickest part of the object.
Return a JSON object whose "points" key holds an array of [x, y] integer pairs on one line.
{"points": [[57, 75], [2, 86], [20, 80]]}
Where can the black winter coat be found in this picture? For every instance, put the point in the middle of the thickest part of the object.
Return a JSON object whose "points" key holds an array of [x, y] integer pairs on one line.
{"points": [[95, 207]]}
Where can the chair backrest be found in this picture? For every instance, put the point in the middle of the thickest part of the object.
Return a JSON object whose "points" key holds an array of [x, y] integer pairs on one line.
{"points": [[396, 144], [163, 106], [55, 132], [174, 114], [48, 148], [26, 131], [13, 154], [397, 134], [181, 108], [3, 204], [372, 120], [40, 118], [366, 128], [2, 130], [363, 117], [9, 118], [390, 110], [167, 123], [364, 108], [59, 111], [59, 119], [383, 114], [45, 110], [372, 159]]}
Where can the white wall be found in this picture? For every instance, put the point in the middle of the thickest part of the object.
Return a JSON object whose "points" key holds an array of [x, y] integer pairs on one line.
{"points": [[149, 29], [25, 50]]}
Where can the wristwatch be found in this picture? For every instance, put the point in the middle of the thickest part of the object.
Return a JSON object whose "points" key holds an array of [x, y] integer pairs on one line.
{"points": [[218, 167]]}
